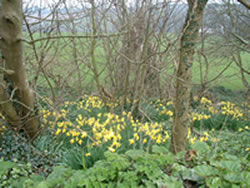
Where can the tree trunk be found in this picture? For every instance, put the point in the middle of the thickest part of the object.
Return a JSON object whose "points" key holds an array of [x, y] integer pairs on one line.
{"points": [[189, 38], [17, 98], [246, 3]]}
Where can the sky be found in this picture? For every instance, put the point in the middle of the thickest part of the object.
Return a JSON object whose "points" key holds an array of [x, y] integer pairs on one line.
{"points": [[69, 2], [46, 3]]}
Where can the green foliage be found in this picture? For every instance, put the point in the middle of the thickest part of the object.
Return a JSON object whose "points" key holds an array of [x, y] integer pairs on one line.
{"points": [[157, 110], [90, 115], [14, 175], [15, 147], [137, 168], [218, 115], [220, 122], [234, 143], [99, 148], [220, 169]]}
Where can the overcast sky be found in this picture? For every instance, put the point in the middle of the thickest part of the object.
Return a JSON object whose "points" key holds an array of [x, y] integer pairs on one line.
{"points": [[46, 3], [69, 2]]}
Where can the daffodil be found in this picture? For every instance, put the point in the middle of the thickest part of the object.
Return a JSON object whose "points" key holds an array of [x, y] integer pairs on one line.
{"points": [[131, 141], [58, 131], [192, 140], [111, 149], [80, 142], [72, 141], [88, 154]]}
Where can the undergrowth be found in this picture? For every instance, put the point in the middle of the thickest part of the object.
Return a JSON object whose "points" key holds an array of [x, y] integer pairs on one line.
{"points": [[88, 143]]}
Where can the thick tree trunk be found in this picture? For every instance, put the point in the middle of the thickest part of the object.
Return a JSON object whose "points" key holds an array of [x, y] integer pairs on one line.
{"points": [[17, 101], [189, 38], [246, 3]]}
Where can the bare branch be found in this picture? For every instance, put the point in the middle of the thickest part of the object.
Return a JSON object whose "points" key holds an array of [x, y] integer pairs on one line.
{"points": [[74, 36]]}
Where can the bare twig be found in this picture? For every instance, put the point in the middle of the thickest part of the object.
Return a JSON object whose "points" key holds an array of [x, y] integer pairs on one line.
{"points": [[74, 36]]}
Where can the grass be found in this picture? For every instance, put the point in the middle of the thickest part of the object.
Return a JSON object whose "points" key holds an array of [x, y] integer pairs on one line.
{"points": [[230, 79]]}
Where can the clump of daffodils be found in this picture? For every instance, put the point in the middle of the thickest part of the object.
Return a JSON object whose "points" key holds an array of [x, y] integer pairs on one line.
{"points": [[230, 109], [87, 122], [164, 107], [208, 109], [103, 128]]}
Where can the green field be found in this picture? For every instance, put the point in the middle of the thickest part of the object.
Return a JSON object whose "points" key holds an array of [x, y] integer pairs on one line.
{"points": [[63, 65], [231, 77]]}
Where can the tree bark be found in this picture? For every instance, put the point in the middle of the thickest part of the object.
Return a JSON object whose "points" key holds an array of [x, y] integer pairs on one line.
{"points": [[17, 100], [188, 41], [246, 3]]}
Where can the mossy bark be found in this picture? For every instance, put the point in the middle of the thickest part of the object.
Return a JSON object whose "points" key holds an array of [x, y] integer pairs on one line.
{"points": [[17, 99], [190, 34]]}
